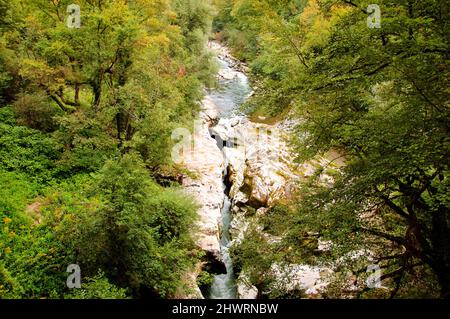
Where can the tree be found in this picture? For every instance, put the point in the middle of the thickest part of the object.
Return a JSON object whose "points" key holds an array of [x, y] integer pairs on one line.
{"points": [[108, 92], [132, 229], [378, 97], [369, 95]]}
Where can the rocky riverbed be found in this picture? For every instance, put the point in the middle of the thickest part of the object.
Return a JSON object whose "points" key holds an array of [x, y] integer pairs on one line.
{"points": [[249, 162]]}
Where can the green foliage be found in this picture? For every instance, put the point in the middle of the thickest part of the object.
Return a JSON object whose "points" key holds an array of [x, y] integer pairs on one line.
{"points": [[173, 215], [379, 97], [254, 257], [33, 256], [126, 225], [205, 279], [15, 192], [273, 238], [277, 220], [381, 110], [97, 287], [86, 145], [26, 150], [147, 227], [101, 99], [35, 111], [33, 261], [128, 67]]}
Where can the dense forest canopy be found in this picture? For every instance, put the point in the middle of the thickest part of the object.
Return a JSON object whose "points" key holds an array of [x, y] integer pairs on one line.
{"points": [[380, 97], [86, 117]]}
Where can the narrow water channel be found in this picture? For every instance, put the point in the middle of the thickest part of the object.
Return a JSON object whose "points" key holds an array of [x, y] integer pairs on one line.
{"points": [[232, 90]]}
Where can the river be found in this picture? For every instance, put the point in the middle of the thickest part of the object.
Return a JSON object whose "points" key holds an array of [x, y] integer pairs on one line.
{"points": [[231, 92]]}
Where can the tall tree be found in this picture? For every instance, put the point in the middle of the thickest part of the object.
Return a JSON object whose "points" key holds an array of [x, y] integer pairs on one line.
{"points": [[380, 97]]}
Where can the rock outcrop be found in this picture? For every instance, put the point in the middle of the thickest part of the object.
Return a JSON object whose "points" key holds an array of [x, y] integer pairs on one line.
{"points": [[206, 162], [261, 169], [262, 172], [301, 277]]}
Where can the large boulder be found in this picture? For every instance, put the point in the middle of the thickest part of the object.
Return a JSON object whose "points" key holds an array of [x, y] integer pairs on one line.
{"points": [[228, 74], [209, 113], [312, 280], [245, 289], [259, 162]]}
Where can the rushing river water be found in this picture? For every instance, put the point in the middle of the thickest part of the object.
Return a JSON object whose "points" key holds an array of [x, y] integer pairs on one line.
{"points": [[230, 93], [232, 90]]}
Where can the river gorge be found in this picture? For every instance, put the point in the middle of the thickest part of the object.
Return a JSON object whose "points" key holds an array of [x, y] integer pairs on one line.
{"points": [[240, 166]]}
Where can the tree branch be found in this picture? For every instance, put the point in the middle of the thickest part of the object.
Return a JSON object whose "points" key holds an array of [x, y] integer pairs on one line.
{"points": [[396, 239]]}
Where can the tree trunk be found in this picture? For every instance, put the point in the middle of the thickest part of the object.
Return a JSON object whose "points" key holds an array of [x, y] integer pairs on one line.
{"points": [[97, 95], [443, 276], [77, 94], [97, 89], [119, 128]]}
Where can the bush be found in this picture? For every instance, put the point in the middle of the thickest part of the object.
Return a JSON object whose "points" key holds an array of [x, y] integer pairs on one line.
{"points": [[97, 287], [87, 145], [27, 150], [129, 227], [35, 111]]}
